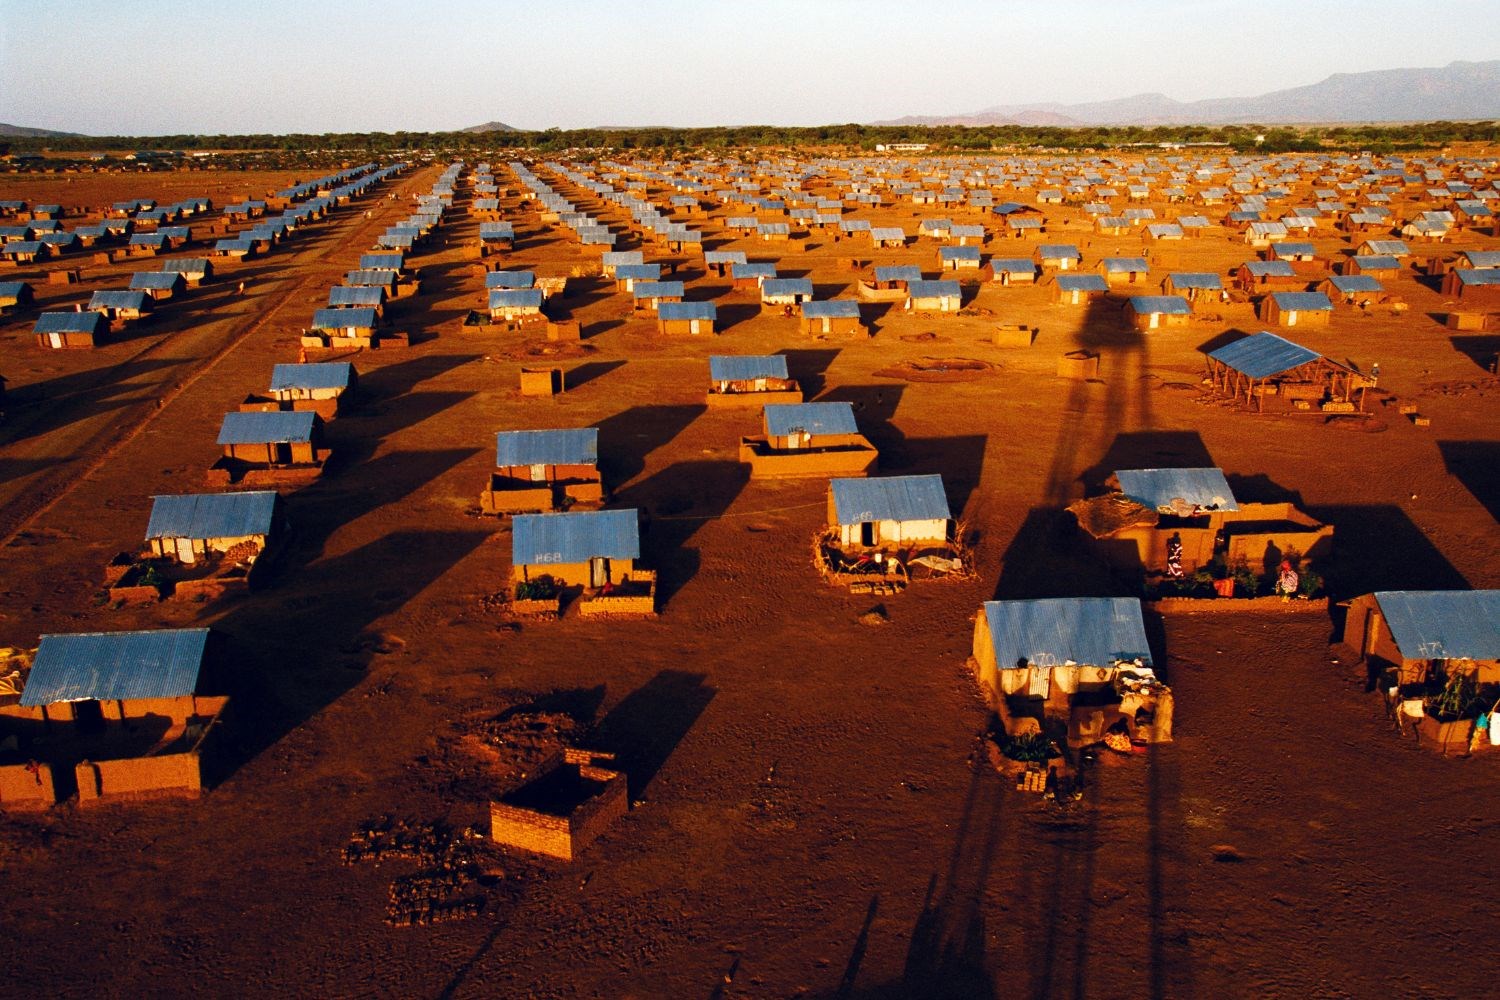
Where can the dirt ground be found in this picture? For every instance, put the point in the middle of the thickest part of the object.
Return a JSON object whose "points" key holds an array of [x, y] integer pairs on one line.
{"points": [[813, 814]]}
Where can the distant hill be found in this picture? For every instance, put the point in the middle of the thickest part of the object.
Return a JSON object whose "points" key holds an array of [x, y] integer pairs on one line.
{"points": [[1460, 90], [22, 132], [491, 127]]}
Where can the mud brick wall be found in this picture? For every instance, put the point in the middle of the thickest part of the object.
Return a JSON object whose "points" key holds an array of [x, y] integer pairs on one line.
{"points": [[593, 817], [140, 777], [23, 789], [531, 831]]}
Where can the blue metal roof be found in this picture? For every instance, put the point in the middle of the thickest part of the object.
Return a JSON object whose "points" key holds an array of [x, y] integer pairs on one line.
{"points": [[114, 298], [115, 666], [617, 257], [814, 418], [314, 375], [688, 310], [1157, 488], [188, 265], [356, 295], [1443, 624], [1013, 265], [1171, 305], [658, 289], [831, 309], [212, 515], [1124, 265], [1082, 283], [744, 367], [1262, 355], [1387, 248], [1270, 268], [509, 279], [1058, 251], [275, 427], [1482, 258], [70, 322], [641, 272], [934, 289], [786, 286], [575, 537], [551, 447], [381, 261], [1302, 301], [1089, 631], [898, 272], [752, 269], [156, 280], [1470, 277], [1197, 279], [958, 253], [1376, 262], [501, 298], [724, 257], [889, 498], [1287, 249], [375, 278], [1349, 283], [361, 317], [12, 289]]}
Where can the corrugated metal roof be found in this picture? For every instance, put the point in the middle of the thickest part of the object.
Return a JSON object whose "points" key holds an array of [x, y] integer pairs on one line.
{"points": [[724, 257], [744, 367], [1124, 265], [115, 666], [752, 269], [1058, 251], [1082, 283], [381, 261], [360, 317], [814, 418], [615, 258], [312, 375], [378, 279], [1348, 283], [156, 280], [1302, 301], [1013, 265], [831, 309], [786, 286], [659, 289], [688, 310], [276, 427], [1171, 305], [958, 253], [511, 297], [356, 295], [1157, 488], [1376, 262], [1470, 277], [509, 279], [1388, 248], [549, 447], [1090, 631], [70, 322], [575, 537], [889, 498], [934, 289], [1482, 258], [1443, 624], [188, 265], [1197, 279], [114, 298], [212, 515], [643, 272], [1262, 355], [898, 272]]}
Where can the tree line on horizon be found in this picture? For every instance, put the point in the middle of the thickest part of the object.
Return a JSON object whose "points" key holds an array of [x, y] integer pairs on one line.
{"points": [[941, 138]]}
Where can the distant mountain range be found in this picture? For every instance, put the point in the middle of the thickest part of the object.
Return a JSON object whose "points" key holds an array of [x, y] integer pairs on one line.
{"points": [[1460, 90], [491, 127], [22, 132]]}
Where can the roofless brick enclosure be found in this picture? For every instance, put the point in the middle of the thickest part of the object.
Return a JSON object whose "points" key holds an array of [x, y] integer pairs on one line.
{"points": [[563, 809]]}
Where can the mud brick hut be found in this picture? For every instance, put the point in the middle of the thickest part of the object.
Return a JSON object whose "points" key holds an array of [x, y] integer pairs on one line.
{"points": [[886, 531], [750, 380], [509, 305], [1151, 312], [718, 262], [934, 296], [24, 251], [496, 236], [686, 318], [121, 305], [834, 318], [958, 258], [1078, 289], [191, 528], [1195, 286], [1373, 265], [114, 715], [610, 260], [1479, 288], [1269, 372], [891, 282], [1132, 526], [383, 260], [1288, 309], [590, 553], [1083, 661], [358, 297], [1006, 271], [15, 295], [1119, 271], [888, 236], [353, 327], [1478, 259], [1383, 248], [569, 802], [160, 285], [1268, 275], [236, 247], [194, 270], [322, 387], [751, 274], [648, 295], [785, 294], [808, 439], [1351, 288], [626, 275], [968, 235], [269, 448], [1058, 257], [546, 470], [70, 329], [382, 279], [1422, 632]]}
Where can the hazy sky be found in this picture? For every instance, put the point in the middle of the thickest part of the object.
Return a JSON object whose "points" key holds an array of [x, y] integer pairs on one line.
{"points": [[147, 67]]}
